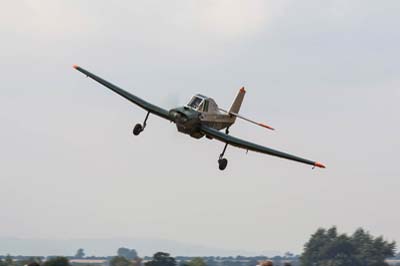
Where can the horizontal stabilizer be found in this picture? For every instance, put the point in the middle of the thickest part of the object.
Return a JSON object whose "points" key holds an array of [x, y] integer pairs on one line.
{"points": [[248, 120]]}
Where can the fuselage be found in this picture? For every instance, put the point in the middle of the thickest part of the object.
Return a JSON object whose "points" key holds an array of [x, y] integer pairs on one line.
{"points": [[199, 111]]}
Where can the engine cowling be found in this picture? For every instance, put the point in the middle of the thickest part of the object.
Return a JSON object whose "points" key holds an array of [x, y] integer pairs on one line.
{"points": [[187, 121], [178, 117]]}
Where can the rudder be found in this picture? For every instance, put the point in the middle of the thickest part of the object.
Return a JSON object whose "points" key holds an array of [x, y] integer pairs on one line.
{"points": [[235, 107]]}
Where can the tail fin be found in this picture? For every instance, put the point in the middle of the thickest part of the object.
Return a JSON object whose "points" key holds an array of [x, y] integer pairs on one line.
{"points": [[238, 101], [234, 110]]}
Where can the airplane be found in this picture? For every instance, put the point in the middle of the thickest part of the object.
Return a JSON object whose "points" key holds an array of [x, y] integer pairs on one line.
{"points": [[202, 117]]}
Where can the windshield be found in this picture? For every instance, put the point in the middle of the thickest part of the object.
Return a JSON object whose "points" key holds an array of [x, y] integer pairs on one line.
{"points": [[195, 102]]}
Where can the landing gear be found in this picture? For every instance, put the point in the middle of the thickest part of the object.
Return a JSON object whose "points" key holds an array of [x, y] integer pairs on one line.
{"points": [[139, 128], [222, 162]]}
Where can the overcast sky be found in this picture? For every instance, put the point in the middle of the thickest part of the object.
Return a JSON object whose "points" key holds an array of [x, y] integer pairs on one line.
{"points": [[325, 74]]}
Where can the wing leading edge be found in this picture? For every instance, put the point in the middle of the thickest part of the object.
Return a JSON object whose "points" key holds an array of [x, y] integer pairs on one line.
{"points": [[136, 100], [254, 147]]}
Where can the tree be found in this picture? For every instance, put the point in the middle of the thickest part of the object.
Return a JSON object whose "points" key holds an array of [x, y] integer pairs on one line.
{"points": [[252, 262], [288, 254], [120, 261], [8, 260], [212, 262], [127, 253], [80, 253], [161, 259], [196, 262], [372, 251], [57, 261], [32, 261], [328, 248]]}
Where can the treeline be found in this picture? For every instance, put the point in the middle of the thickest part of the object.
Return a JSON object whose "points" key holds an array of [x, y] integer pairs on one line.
{"points": [[329, 248], [326, 247], [160, 258]]}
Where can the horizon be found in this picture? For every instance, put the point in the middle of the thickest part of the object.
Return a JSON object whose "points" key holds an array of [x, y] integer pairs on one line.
{"points": [[107, 246]]}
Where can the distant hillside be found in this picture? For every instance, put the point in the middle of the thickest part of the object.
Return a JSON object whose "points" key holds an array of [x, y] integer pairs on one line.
{"points": [[108, 247]]}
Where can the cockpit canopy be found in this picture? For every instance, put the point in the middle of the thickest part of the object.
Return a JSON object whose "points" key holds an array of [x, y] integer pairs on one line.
{"points": [[202, 103], [196, 101]]}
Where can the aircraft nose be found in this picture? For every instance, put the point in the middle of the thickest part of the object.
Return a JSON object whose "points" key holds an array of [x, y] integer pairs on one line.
{"points": [[173, 114], [177, 117]]}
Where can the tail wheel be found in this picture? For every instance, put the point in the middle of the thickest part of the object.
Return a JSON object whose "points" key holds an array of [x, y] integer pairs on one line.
{"points": [[137, 129]]}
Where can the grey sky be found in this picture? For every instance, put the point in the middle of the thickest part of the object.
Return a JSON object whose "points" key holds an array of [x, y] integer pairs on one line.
{"points": [[324, 73]]}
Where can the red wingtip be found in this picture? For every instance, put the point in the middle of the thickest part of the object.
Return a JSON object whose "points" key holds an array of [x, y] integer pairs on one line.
{"points": [[75, 66], [266, 126], [242, 89], [320, 165]]}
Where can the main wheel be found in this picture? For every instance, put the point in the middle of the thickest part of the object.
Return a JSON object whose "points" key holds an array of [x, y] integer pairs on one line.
{"points": [[222, 163], [137, 129]]}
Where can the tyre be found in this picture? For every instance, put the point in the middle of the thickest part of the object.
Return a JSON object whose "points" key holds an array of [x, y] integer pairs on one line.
{"points": [[137, 129], [222, 163]]}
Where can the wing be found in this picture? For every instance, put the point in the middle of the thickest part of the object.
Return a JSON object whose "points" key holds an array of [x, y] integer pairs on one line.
{"points": [[254, 147], [136, 100]]}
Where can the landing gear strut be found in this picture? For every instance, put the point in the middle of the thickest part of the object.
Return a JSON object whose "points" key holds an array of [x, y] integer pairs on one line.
{"points": [[139, 128], [222, 162]]}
